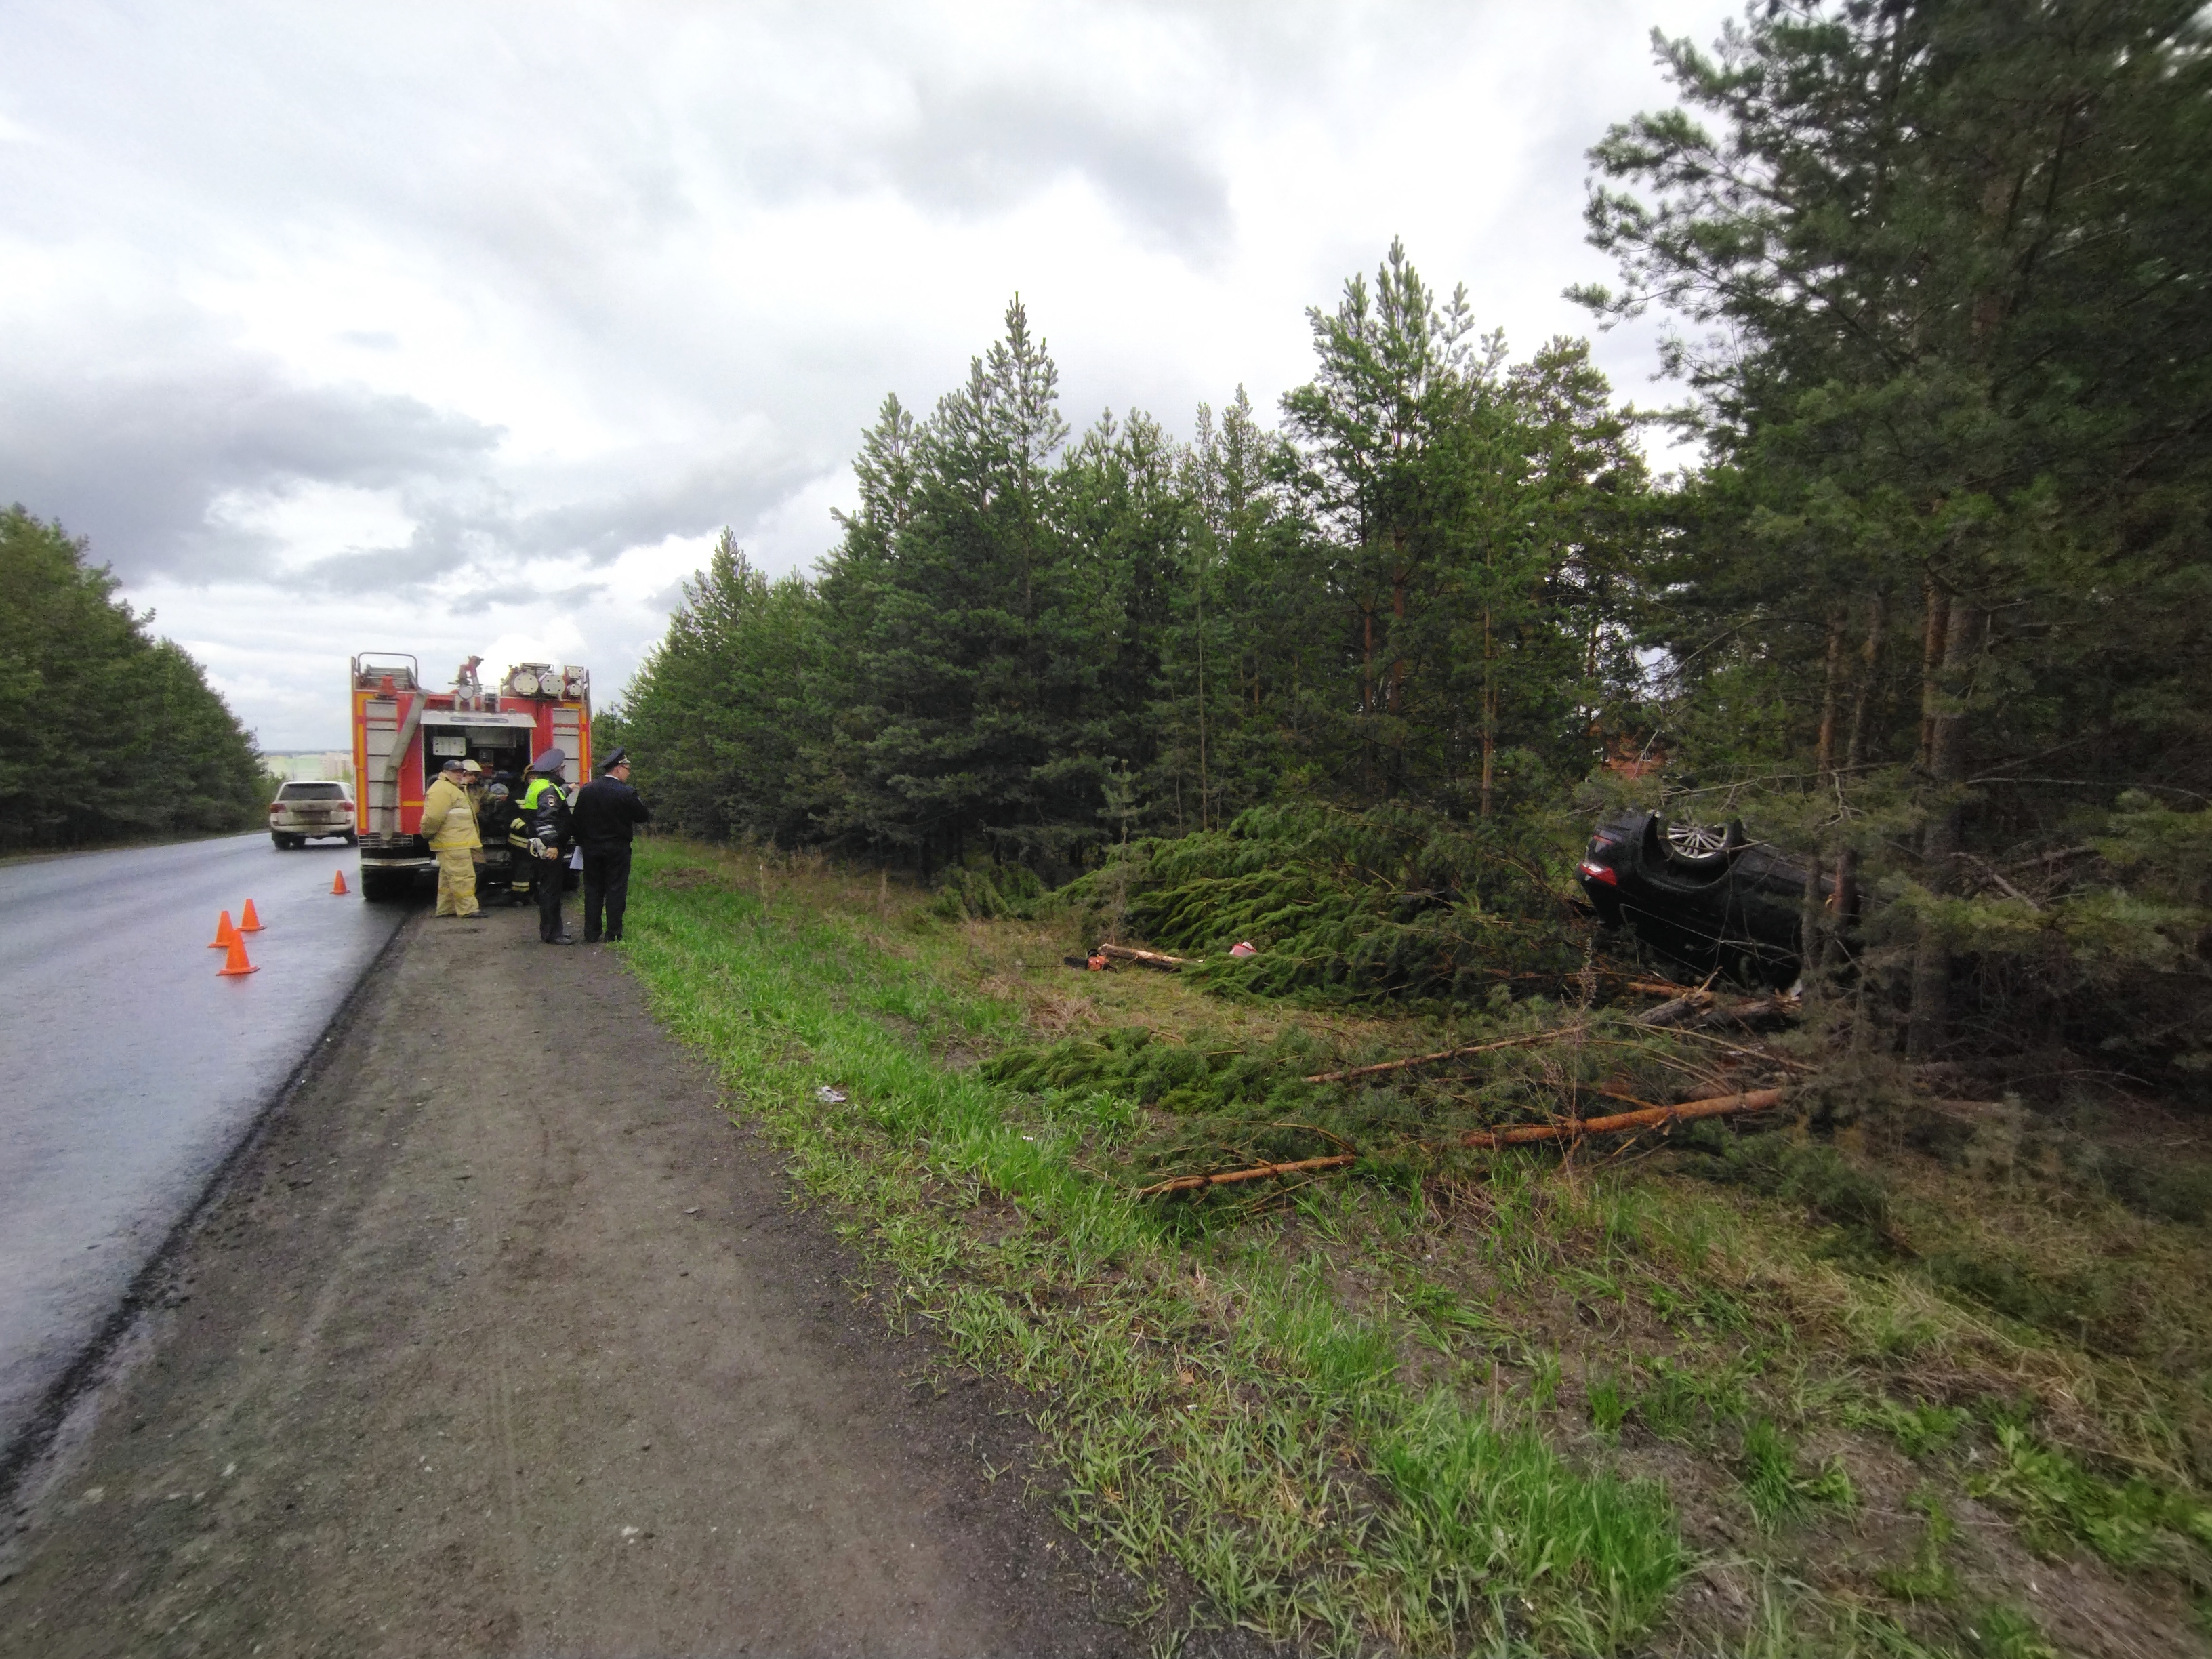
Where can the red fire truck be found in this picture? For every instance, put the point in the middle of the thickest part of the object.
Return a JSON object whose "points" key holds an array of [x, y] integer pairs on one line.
{"points": [[403, 733]]}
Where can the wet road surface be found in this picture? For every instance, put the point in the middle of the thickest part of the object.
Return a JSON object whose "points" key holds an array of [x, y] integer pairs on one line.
{"points": [[132, 1071], [503, 1339]]}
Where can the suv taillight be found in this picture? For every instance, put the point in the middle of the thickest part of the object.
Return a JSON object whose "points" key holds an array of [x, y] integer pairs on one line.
{"points": [[275, 807]]}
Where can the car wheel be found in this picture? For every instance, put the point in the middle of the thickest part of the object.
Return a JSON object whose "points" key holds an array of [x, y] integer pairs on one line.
{"points": [[1699, 847], [353, 838], [1692, 839], [276, 840]]}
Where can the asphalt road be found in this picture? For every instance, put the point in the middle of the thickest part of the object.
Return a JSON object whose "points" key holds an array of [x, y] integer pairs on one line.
{"points": [[503, 1338], [132, 1071]]}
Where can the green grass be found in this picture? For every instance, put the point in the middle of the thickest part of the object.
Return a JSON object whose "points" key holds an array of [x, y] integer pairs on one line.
{"points": [[1210, 1405], [1438, 1404]]}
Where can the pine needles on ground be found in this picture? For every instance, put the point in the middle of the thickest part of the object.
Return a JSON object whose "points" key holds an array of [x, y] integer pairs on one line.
{"points": [[1213, 1102]]}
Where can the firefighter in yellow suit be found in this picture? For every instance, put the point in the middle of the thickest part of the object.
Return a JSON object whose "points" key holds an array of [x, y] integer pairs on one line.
{"points": [[449, 818]]}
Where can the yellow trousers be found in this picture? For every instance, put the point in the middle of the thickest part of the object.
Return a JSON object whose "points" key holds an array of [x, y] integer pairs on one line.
{"points": [[457, 881]]}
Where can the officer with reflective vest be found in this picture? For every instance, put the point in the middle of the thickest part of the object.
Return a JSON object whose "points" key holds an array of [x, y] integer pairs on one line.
{"points": [[543, 835]]}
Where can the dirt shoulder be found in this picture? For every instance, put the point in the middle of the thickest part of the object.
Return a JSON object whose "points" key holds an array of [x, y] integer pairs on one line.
{"points": [[503, 1339]]}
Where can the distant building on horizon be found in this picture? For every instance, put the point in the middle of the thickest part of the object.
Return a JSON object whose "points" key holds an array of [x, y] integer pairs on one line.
{"points": [[310, 765]]}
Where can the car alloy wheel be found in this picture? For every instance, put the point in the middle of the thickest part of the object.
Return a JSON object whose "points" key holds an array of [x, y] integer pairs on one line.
{"points": [[1693, 840]]}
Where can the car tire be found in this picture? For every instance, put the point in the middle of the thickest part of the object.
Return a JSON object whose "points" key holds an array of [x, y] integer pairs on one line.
{"points": [[276, 840]]}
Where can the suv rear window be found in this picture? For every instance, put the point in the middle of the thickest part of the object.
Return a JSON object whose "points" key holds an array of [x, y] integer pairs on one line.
{"points": [[312, 792]]}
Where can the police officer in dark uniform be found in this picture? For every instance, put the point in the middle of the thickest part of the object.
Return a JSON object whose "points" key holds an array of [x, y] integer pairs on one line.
{"points": [[607, 809], [550, 835]]}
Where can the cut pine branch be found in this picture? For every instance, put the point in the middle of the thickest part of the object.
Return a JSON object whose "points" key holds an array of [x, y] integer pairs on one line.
{"points": [[1159, 959], [1757, 1100], [1381, 1066], [1647, 1117], [1660, 987], [1257, 1172]]}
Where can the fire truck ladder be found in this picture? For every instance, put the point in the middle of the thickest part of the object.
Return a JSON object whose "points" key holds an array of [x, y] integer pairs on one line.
{"points": [[392, 740]]}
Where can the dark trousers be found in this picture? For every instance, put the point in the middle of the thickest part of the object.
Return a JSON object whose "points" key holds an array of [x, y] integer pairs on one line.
{"points": [[550, 874], [606, 886]]}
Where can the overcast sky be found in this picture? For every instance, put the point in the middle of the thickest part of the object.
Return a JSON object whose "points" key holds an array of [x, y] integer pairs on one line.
{"points": [[462, 328]]}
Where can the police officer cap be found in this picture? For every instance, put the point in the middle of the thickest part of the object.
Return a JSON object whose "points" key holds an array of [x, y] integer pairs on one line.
{"points": [[620, 757], [551, 760], [453, 766]]}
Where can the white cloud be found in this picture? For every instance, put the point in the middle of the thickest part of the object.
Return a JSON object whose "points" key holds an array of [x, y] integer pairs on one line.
{"points": [[463, 328]]}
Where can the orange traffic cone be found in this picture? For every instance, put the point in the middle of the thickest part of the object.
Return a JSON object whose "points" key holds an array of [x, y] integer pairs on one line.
{"points": [[249, 923], [225, 934], [338, 884], [235, 962]]}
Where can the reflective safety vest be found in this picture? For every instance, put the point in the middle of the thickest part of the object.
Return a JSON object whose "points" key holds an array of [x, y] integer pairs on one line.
{"points": [[526, 806]]}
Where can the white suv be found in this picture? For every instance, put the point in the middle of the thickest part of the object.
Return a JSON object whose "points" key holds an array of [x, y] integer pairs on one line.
{"points": [[304, 811]]}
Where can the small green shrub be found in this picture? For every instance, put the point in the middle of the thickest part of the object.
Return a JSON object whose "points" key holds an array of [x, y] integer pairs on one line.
{"points": [[2132, 1523], [2003, 1631], [1775, 1487], [989, 893], [1608, 1405], [1779, 1165], [1920, 1431], [2160, 1187], [2099, 1309]]}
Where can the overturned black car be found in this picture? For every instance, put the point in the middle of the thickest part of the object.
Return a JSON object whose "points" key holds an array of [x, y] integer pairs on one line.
{"points": [[1706, 897]]}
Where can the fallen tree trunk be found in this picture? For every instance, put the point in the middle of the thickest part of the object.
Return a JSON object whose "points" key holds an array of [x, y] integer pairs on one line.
{"points": [[1757, 1012], [1258, 1172], [1699, 1007], [1377, 1069], [1159, 959], [1681, 1008], [1757, 1100]]}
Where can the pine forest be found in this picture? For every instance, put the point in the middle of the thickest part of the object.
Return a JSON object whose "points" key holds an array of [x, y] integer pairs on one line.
{"points": [[1928, 613], [107, 734]]}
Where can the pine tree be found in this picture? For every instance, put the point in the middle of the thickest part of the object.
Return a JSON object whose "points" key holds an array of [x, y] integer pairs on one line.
{"points": [[727, 713], [979, 633], [1953, 252]]}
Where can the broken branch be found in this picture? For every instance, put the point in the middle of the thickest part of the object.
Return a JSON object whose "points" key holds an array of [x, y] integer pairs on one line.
{"points": [[1443, 1053], [1660, 987], [1757, 1100], [1258, 1172]]}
